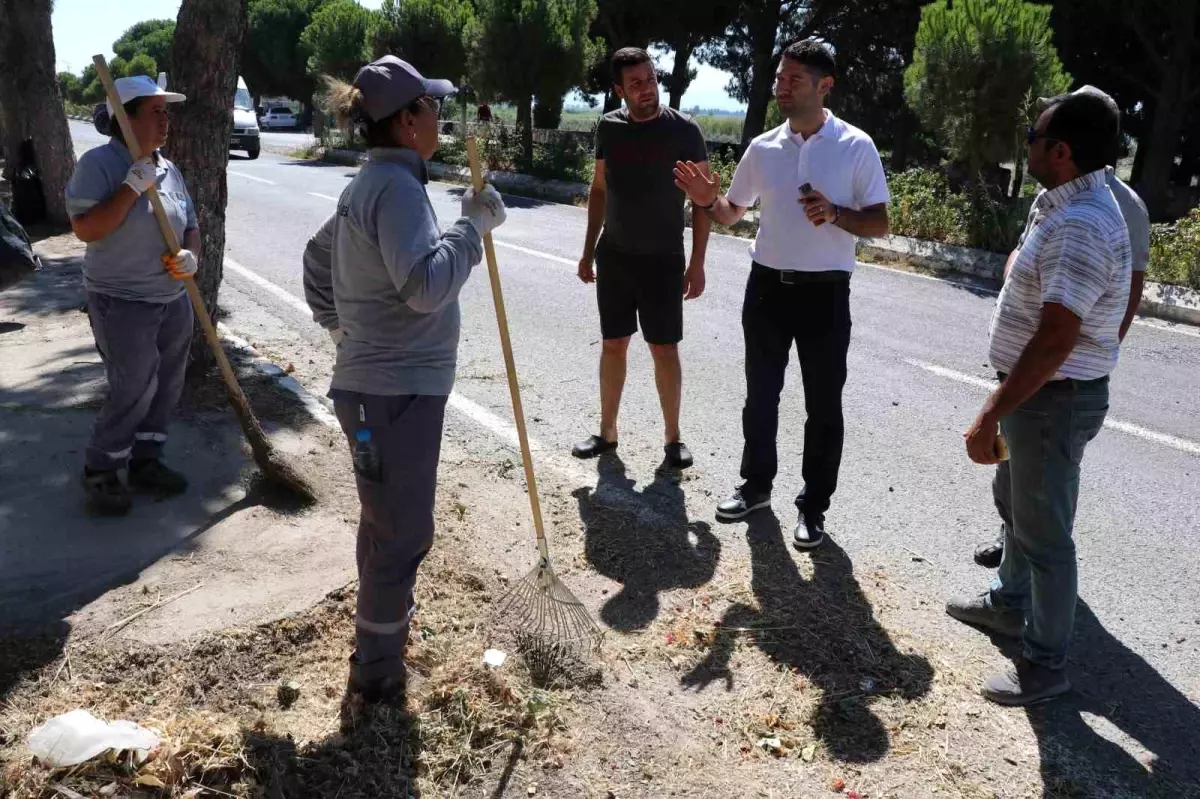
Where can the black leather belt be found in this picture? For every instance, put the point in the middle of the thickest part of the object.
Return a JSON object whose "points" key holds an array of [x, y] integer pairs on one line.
{"points": [[793, 277], [1066, 384]]}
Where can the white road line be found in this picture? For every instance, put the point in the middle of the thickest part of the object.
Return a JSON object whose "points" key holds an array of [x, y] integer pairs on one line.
{"points": [[499, 427], [1174, 442], [252, 177], [323, 196], [258, 280], [535, 253]]}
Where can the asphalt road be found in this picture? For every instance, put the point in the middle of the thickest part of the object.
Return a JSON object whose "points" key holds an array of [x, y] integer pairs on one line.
{"points": [[916, 380]]}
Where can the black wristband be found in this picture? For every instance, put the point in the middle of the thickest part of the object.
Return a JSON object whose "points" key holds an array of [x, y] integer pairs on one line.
{"points": [[837, 214], [707, 207]]}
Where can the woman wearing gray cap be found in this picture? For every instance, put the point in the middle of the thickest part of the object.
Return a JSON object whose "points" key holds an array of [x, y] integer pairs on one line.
{"points": [[384, 280], [140, 313]]}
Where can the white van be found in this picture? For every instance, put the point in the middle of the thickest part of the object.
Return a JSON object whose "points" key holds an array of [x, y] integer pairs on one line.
{"points": [[245, 123]]}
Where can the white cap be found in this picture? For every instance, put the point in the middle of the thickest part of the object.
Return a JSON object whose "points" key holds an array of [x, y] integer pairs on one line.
{"points": [[141, 86]]}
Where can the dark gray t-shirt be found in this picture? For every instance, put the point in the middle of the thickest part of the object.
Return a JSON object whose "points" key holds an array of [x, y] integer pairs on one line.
{"points": [[644, 210], [127, 263]]}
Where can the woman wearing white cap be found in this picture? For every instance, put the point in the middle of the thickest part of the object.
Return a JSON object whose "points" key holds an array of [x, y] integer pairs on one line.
{"points": [[140, 313], [384, 280]]}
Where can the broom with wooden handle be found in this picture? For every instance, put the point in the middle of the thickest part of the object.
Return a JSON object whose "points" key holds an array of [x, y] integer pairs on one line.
{"points": [[273, 467], [553, 628]]}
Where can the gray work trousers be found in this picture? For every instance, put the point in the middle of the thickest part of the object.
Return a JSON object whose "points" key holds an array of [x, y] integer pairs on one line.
{"points": [[395, 529], [145, 350]]}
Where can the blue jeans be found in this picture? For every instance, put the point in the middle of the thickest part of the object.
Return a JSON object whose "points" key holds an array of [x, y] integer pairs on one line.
{"points": [[1036, 492]]}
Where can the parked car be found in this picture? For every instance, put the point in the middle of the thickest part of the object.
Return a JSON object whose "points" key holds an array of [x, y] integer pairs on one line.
{"points": [[278, 117]]}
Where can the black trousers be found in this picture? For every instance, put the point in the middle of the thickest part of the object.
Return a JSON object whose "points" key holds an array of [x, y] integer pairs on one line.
{"points": [[813, 311]]}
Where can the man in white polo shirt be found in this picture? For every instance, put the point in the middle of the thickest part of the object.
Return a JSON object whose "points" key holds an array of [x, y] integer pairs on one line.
{"points": [[1055, 338], [821, 183]]}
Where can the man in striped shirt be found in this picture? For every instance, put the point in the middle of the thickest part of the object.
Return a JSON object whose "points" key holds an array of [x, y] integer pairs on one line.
{"points": [[1055, 336], [1137, 221]]}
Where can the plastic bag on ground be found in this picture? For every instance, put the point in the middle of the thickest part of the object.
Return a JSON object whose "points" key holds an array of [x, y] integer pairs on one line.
{"points": [[78, 736]]}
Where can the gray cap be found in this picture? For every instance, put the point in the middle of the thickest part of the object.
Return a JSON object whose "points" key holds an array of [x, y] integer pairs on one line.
{"points": [[389, 84], [1045, 102]]}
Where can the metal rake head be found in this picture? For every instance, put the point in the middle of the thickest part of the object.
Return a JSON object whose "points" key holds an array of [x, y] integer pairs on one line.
{"points": [[553, 630]]}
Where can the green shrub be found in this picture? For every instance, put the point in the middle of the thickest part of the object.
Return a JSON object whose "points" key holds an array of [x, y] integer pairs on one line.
{"points": [[923, 207], [1175, 252]]}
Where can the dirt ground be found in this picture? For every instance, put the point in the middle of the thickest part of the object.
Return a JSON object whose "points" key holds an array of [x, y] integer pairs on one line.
{"points": [[776, 674]]}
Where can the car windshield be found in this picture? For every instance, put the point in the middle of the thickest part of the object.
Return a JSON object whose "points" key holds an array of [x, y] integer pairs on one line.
{"points": [[242, 101]]}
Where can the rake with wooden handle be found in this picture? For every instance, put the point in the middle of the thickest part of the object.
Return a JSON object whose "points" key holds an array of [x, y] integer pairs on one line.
{"points": [[552, 627], [273, 468]]}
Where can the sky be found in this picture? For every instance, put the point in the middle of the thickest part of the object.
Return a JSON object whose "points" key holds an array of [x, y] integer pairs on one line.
{"points": [[83, 28]]}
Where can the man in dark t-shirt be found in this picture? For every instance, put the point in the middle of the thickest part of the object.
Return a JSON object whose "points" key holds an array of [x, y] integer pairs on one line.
{"points": [[639, 260]]}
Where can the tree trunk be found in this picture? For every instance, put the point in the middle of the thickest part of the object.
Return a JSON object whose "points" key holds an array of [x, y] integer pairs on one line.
{"points": [[208, 42], [31, 100], [764, 25], [611, 101], [684, 48], [904, 126], [525, 125], [1171, 109], [548, 112]]}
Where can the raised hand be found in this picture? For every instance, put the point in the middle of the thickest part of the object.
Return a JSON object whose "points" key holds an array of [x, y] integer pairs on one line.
{"points": [[701, 189]]}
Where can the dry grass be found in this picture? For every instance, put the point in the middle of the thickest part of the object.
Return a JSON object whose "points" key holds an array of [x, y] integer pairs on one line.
{"points": [[229, 730]]}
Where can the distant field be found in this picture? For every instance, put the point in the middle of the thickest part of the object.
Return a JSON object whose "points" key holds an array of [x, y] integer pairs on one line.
{"points": [[716, 128]]}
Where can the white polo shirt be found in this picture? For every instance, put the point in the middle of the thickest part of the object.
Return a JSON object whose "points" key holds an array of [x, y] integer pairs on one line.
{"points": [[839, 160]]}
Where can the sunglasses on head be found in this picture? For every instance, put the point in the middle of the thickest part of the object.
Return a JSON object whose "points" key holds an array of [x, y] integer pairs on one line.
{"points": [[1033, 135]]}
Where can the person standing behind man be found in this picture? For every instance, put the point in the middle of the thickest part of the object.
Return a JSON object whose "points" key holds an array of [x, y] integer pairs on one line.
{"points": [[1055, 338], [799, 286], [1137, 221], [639, 260]]}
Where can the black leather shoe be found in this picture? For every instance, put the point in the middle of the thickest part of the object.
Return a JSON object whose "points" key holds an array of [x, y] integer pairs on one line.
{"points": [[678, 455], [593, 447]]}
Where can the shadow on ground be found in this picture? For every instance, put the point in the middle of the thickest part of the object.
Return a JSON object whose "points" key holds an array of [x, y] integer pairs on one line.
{"points": [[377, 759], [1124, 731], [825, 629], [644, 541], [55, 558]]}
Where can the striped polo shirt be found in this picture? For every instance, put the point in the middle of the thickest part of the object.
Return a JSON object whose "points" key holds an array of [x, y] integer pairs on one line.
{"points": [[1075, 252]]}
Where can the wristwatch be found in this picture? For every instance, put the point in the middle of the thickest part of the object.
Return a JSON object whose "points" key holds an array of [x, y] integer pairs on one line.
{"points": [[837, 214]]}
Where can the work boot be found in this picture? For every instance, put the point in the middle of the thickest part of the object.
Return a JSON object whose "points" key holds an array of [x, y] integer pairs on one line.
{"points": [[153, 476], [106, 494], [980, 612], [1025, 683], [363, 695]]}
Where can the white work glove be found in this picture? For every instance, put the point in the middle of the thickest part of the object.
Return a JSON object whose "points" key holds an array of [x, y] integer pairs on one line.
{"points": [[142, 175], [336, 334], [485, 209], [181, 265]]}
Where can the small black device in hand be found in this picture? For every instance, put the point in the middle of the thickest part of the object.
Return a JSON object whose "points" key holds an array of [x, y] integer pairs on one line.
{"points": [[805, 190]]}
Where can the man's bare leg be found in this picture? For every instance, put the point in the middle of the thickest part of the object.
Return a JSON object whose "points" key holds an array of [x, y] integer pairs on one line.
{"points": [[612, 384], [668, 376]]}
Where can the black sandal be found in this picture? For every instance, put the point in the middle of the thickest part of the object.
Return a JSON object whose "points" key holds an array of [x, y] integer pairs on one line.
{"points": [[593, 447]]}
